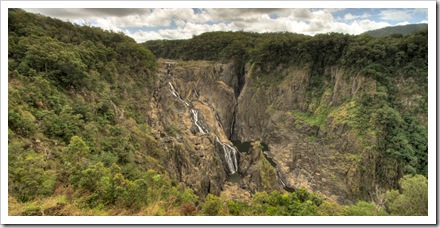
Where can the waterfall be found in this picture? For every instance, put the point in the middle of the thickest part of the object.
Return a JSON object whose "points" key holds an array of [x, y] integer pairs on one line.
{"points": [[281, 180], [176, 94], [195, 115], [230, 156], [285, 186]]}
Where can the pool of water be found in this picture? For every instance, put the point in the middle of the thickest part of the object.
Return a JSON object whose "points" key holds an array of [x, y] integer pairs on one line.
{"points": [[245, 146], [235, 178], [242, 146]]}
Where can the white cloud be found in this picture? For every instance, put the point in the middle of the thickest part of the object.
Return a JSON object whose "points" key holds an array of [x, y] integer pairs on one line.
{"points": [[106, 24], [87, 13], [421, 10], [183, 23], [394, 15], [302, 14], [349, 16], [334, 10], [158, 17], [403, 23], [241, 14], [320, 21]]}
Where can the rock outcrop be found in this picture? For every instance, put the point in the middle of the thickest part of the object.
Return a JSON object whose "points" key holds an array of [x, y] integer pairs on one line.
{"points": [[321, 152], [192, 118]]}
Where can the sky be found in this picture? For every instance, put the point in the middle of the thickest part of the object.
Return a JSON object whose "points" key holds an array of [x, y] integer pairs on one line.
{"points": [[183, 23]]}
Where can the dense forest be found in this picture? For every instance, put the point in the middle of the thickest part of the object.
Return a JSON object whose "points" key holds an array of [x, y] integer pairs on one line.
{"points": [[80, 141], [401, 29]]}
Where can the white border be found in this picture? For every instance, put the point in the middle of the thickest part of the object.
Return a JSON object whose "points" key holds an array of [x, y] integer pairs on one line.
{"points": [[431, 219]]}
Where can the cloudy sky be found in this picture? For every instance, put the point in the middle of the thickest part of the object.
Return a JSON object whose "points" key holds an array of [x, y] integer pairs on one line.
{"points": [[183, 23]]}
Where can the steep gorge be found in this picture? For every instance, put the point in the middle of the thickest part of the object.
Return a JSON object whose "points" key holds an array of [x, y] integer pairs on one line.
{"points": [[332, 108], [106, 123], [251, 122], [324, 151]]}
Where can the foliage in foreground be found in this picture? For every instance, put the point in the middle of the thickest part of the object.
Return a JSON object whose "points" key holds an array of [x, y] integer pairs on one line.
{"points": [[156, 195]]}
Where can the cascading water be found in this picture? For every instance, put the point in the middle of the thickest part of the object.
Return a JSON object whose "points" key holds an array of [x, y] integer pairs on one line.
{"points": [[176, 94], [230, 156], [230, 153], [195, 115]]}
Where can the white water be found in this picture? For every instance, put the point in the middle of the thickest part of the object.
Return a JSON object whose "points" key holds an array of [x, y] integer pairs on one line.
{"points": [[176, 94], [229, 151], [230, 156], [196, 120], [281, 181]]}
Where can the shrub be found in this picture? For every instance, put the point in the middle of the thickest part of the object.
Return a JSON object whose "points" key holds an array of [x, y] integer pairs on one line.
{"points": [[413, 200], [29, 177], [22, 123], [212, 205]]}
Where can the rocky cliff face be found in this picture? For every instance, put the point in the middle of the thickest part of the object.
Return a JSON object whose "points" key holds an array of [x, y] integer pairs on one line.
{"points": [[321, 152], [323, 157], [192, 116]]}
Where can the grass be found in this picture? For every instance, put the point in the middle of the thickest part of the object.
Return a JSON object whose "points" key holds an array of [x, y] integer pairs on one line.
{"points": [[268, 174], [58, 205], [172, 130], [318, 118]]}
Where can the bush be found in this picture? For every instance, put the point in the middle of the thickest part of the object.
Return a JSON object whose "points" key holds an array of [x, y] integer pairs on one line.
{"points": [[29, 177], [236, 208], [188, 209], [413, 200], [363, 208], [22, 123], [212, 205]]}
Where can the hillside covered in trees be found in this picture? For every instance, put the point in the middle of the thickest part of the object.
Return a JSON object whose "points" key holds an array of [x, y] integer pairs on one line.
{"points": [[401, 29], [95, 126]]}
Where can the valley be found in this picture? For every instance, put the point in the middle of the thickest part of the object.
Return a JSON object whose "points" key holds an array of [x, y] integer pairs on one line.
{"points": [[224, 123]]}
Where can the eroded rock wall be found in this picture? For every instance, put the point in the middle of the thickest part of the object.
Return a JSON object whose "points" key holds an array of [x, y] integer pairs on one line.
{"points": [[243, 102]]}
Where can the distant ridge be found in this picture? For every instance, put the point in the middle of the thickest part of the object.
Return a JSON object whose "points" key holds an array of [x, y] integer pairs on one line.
{"points": [[401, 29]]}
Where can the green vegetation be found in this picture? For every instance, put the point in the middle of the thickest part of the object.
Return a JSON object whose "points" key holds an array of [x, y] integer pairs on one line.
{"points": [[412, 199], [401, 30], [313, 119], [268, 174], [77, 101], [79, 142], [172, 130]]}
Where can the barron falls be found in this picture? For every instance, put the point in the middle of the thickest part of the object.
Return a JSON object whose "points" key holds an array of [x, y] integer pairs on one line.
{"points": [[199, 101], [224, 123]]}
